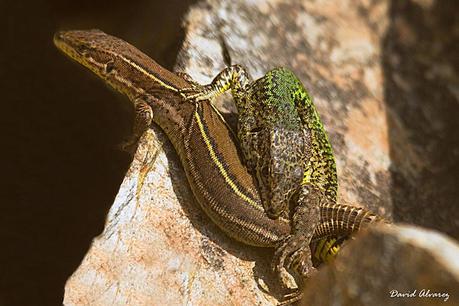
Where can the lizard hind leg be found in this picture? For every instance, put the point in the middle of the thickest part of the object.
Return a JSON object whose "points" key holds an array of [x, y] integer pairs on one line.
{"points": [[294, 253]]}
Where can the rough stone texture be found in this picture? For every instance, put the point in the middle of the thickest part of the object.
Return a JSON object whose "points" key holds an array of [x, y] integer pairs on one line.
{"points": [[403, 265], [158, 248]]}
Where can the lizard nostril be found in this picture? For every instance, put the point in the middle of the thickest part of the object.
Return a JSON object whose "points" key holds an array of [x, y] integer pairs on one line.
{"points": [[59, 35]]}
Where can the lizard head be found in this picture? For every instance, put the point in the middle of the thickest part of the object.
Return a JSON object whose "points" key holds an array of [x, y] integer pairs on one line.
{"points": [[109, 57], [88, 48]]}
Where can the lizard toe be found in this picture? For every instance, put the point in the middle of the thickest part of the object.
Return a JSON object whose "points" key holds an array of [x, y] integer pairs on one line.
{"points": [[291, 298], [300, 260]]}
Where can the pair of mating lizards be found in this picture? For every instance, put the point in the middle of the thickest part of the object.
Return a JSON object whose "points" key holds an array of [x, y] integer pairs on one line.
{"points": [[287, 198]]}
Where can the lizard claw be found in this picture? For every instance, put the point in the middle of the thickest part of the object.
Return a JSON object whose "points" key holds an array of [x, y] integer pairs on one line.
{"points": [[194, 93], [197, 92], [186, 77], [291, 298], [277, 265], [300, 262], [294, 255]]}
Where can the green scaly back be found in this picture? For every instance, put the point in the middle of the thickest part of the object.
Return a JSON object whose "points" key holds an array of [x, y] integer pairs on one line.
{"points": [[320, 170]]}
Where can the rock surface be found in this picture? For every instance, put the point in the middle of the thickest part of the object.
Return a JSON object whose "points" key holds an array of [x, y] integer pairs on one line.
{"points": [[158, 248]]}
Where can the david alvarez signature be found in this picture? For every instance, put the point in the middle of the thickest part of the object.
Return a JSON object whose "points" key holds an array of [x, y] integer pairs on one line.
{"points": [[423, 293]]}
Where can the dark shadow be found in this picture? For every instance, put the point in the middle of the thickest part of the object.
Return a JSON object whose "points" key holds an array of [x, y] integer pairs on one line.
{"points": [[420, 62], [61, 126]]}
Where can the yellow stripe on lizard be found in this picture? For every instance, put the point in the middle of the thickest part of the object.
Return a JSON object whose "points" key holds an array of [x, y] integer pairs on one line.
{"points": [[222, 169]]}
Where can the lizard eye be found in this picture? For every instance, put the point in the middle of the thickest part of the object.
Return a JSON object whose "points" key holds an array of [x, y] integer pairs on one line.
{"points": [[81, 49], [109, 66]]}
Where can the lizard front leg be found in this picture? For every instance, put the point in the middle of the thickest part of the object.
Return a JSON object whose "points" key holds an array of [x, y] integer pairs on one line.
{"points": [[142, 121], [234, 77]]}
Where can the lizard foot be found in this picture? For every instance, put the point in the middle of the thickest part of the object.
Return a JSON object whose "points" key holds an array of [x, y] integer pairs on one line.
{"points": [[294, 255], [197, 92], [290, 298], [188, 78]]}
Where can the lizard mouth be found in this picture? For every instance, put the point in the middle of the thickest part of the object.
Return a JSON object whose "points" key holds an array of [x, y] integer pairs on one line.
{"points": [[69, 43], [64, 42], [76, 44]]}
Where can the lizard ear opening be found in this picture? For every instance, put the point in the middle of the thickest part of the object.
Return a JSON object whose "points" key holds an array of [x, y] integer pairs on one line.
{"points": [[109, 66]]}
